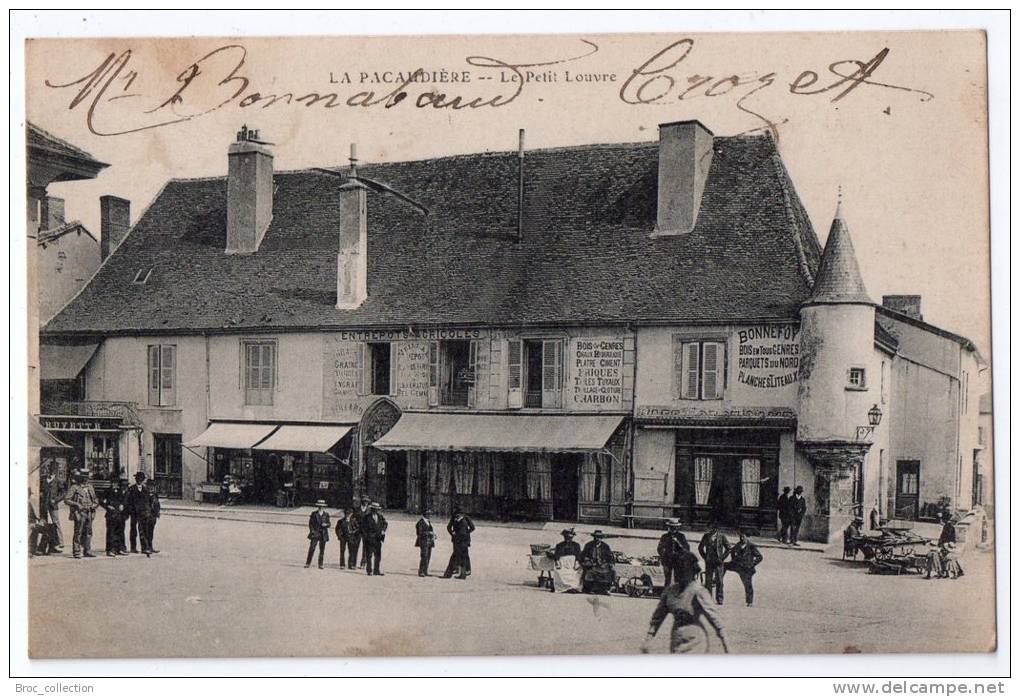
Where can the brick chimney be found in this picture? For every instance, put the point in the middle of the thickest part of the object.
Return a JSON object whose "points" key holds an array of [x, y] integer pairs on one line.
{"points": [[114, 223], [909, 305], [685, 155], [249, 192], [52, 214], [352, 258]]}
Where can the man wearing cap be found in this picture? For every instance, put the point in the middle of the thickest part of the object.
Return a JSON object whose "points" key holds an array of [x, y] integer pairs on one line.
{"points": [[373, 533], [318, 533], [134, 503], [597, 562], [783, 510], [424, 540], [713, 548], [50, 496], [672, 549], [460, 528], [83, 502], [113, 503], [344, 533], [798, 507]]}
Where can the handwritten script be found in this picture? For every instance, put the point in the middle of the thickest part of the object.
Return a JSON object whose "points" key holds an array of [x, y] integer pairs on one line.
{"points": [[119, 97]]}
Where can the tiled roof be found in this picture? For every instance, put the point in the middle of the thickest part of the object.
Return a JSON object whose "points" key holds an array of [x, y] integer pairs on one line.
{"points": [[839, 278], [46, 236], [586, 255], [43, 140]]}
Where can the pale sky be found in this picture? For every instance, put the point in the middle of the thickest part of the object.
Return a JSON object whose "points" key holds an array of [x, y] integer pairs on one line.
{"points": [[911, 158]]}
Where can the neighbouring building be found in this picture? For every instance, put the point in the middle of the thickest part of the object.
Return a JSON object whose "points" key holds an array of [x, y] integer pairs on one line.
{"points": [[597, 333]]}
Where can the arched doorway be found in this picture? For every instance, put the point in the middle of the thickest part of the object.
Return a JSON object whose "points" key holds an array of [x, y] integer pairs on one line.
{"points": [[383, 475]]}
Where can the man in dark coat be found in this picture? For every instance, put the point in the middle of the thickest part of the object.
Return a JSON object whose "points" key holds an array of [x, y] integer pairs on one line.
{"points": [[597, 562], [318, 533], [460, 528], [713, 548], [744, 557], [38, 542], [83, 502], [673, 551], [424, 540], [149, 516], [135, 501], [50, 496], [798, 507], [113, 503], [567, 548], [356, 517], [373, 533], [345, 534], [948, 530], [783, 510]]}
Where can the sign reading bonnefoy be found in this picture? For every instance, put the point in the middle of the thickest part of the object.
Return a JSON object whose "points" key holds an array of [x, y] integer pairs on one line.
{"points": [[768, 355], [596, 372]]}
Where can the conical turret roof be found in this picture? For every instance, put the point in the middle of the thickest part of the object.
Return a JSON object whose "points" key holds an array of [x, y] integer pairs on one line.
{"points": [[839, 278]]}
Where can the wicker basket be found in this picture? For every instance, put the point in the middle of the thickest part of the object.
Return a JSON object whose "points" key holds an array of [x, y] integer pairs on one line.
{"points": [[540, 549]]}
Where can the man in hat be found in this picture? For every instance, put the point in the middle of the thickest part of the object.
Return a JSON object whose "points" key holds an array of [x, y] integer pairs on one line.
{"points": [[150, 516], [672, 549], [798, 507], [373, 533], [318, 533], [567, 548], [460, 528], [134, 503], [357, 517], [83, 502], [597, 562], [783, 510], [50, 496], [692, 608], [113, 503], [38, 543], [744, 558], [424, 540], [344, 533], [713, 548]]}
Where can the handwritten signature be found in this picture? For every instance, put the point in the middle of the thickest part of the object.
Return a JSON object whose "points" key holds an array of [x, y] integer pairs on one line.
{"points": [[110, 92]]}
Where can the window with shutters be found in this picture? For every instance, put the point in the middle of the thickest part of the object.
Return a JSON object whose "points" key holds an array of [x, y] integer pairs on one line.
{"points": [[259, 372], [377, 364], [702, 369], [452, 371], [536, 370], [162, 375]]}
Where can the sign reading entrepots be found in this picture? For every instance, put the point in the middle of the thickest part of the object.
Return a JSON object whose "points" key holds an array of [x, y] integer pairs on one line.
{"points": [[768, 355]]}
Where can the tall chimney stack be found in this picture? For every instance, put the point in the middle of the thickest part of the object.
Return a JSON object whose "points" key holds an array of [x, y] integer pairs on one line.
{"points": [[52, 213], [352, 257], [685, 155], [114, 223], [249, 192]]}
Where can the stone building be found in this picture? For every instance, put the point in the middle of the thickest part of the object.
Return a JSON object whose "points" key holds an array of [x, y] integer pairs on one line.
{"points": [[606, 333]]}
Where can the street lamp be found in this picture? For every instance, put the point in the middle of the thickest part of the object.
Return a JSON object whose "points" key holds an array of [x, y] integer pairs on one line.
{"points": [[874, 419]]}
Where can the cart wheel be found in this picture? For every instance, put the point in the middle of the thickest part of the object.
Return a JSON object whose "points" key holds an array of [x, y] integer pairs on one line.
{"points": [[638, 587], [882, 553]]}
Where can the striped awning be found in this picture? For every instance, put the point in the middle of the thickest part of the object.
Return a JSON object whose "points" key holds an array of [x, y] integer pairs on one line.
{"points": [[232, 435], [500, 433], [306, 439]]}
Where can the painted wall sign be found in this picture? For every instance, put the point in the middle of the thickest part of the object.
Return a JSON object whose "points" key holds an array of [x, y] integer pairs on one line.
{"points": [[413, 333], [341, 365], [768, 355], [413, 373], [665, 413], [596, 372]]}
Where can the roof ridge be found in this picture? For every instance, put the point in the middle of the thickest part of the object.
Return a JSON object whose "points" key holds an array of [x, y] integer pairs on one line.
{"points": [[783, 176]]}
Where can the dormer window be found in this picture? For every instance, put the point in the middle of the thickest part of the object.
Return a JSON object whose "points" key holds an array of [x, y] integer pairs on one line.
{"points": [[142, 277]]}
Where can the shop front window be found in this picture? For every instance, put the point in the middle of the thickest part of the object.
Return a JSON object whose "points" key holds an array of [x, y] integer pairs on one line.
{"points": [[595, 478], [702, 480], [750, 482]]}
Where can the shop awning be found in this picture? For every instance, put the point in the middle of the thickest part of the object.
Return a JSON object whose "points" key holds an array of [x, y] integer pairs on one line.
{"points": [[224, 435], [500, 433], [307, 439], [39, 437], [64, 362]]}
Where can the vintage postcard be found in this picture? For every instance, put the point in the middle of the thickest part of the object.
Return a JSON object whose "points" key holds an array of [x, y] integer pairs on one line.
{"points": [[509, 345]]}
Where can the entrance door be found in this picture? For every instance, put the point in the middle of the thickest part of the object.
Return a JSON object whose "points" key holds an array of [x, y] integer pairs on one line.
{"points": [[725, 497], [396, 480], [564, 486], [908, 483], [167, 464]]}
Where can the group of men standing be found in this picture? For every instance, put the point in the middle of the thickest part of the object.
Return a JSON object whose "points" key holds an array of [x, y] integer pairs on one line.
{"points": [[791, 510], [138, 503], [365, 526], [719, 556]]}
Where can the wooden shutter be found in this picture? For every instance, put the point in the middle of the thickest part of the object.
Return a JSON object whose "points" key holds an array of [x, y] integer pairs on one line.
{"points": [[514, 380], [690, 371], [433, 373], [552, 373], [393, 368], [153, 375], [473, 372], [364, 369], [167, 375], [712, 370]]}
